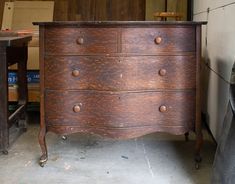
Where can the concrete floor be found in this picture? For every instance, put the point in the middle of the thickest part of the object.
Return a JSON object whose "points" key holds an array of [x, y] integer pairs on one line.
{"points": [[87, 159]]}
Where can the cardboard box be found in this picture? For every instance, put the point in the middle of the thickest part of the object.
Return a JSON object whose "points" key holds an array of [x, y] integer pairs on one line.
{"points": [[33, 93], [19, 15]]}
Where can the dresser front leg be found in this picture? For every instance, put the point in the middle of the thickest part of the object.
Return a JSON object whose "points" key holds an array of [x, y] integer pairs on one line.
{"points": [[42, 142], [199, 142]]}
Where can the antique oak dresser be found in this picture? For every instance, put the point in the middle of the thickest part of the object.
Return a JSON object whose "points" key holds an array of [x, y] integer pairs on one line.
{"points": [[120, 79]]}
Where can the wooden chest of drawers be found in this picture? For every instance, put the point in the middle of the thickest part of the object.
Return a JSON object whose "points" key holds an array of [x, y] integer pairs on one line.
{"points": [[120, 79]]}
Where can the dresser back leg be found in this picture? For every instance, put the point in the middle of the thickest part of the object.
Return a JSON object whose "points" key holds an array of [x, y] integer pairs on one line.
{"points": [[199, 142]]}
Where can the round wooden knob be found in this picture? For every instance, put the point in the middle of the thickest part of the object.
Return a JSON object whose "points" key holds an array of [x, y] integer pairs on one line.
{"points": [[76, 108], [162, 72], [80, 41], [162, 108], [75, 73], [158, 40]]}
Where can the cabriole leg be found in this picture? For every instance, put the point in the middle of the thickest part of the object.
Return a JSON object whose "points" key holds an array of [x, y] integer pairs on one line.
{"points": [[42, 142]]}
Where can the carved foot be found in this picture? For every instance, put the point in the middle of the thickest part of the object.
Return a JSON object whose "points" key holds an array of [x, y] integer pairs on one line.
{"points": [[43, 160], [42, 142]]}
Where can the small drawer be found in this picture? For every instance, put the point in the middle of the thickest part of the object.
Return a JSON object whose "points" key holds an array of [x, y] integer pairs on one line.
{"points": [[117, 110], [120, 73], [79, 41], [155, 40]]}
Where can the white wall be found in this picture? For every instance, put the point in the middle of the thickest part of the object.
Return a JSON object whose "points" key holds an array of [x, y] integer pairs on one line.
{"points": [[219, 56]]}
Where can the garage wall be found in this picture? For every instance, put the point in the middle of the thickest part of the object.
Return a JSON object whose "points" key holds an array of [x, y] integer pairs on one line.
{"points": [[110, 9], [218, 57], [94, 9]]}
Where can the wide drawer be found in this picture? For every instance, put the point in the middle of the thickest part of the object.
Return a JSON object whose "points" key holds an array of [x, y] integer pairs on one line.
{"points": [[154, 40], [79, 41], [120, 73], [117, 110]]}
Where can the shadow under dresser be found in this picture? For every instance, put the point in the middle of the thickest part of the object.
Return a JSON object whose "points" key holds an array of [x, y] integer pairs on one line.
{"points": [[120, 79]]}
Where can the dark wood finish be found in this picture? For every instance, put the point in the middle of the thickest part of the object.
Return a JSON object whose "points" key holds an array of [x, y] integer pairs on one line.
{"points": [[104, 40], [118, 79], [43, 130], [12, 50], [120, 73], [4, 133], [118, 24]]}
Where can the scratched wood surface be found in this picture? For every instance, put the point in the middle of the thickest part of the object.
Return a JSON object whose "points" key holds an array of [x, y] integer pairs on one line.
{"points": [[120, 73], [117, 110]]}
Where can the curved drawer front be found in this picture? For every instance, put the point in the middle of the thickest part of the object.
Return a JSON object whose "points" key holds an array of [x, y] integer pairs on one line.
{"points": [[79, 41], [154, 40], [120, 73], [99, 109]]}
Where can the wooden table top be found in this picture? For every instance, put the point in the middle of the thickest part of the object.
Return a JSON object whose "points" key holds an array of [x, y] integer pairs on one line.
{"points": [[14, 40]]}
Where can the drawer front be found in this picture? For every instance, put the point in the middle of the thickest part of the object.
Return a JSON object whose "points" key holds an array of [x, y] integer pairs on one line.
{"points": [[79, 41], [117, 110], [120, 73], [154, 40]]}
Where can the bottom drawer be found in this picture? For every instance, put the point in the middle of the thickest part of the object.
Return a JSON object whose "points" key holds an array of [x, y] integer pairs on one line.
{"points": [[120, 110]]}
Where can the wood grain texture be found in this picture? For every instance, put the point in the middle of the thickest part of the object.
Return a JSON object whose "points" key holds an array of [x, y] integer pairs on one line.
{"points": [[104, 40], [42, 132], [64, 40], [142, 40], [117, 110], [117, 80], [120, 73]]}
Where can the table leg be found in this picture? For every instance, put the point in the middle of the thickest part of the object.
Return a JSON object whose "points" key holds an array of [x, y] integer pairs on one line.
{"points": [[22, 86], [4, 131]]}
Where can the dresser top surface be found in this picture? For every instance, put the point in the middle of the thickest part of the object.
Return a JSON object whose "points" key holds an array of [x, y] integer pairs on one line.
{"points": [[118, 23]]}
